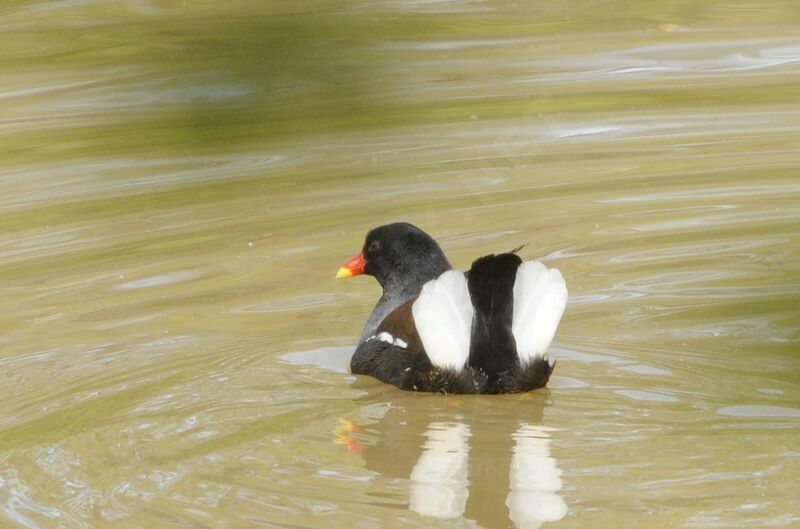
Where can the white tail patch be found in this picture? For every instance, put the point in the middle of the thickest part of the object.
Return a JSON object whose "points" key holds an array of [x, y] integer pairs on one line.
{"points": [[443, 317], [540, 296]]}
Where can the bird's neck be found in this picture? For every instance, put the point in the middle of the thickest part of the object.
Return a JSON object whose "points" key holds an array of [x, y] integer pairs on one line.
{"points": [[397, 290]]}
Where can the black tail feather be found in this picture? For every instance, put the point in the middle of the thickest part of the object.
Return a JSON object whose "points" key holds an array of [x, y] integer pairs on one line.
{"points": [[493, 349]]}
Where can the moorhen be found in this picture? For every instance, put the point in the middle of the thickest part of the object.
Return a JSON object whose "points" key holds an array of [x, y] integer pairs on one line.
{"points": [[439, 330]]}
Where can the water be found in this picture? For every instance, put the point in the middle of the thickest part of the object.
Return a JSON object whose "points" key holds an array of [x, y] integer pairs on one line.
{"points": [[181, 181]]}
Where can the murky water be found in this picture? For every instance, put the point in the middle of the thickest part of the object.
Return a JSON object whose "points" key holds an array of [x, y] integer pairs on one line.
{"points": [[181, 180]]}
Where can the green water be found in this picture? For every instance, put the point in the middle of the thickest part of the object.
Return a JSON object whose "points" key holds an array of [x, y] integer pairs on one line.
{"points": [[180, 182]]}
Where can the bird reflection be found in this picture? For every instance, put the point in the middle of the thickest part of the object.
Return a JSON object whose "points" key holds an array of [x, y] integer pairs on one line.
{"points": [[534, 480], [486, 460], [439, 480]]}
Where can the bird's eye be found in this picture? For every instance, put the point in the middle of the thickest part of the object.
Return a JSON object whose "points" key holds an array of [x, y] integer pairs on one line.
{"points": [[374, 247]]}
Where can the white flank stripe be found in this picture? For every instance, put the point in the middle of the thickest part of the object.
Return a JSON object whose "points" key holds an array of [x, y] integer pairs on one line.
{"points": [[443, 317], [385, 337], [388, 338]]}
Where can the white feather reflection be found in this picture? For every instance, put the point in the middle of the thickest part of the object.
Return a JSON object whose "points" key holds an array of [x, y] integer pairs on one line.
{"points": [[534, 480], [439, 484], [439, 481]]}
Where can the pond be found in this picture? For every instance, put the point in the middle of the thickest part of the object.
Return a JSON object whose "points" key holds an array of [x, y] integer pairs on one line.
{"points": [[181, 181]]}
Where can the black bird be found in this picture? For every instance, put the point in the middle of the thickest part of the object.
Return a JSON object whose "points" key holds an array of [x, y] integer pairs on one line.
{"points": [[439, 330]]}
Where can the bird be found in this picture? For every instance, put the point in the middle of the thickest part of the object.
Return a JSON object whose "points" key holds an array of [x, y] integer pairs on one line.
{"points": [[439, 330]]}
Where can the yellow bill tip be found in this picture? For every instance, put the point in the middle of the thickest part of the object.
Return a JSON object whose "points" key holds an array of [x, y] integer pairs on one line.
{"points": [[344, 273]]}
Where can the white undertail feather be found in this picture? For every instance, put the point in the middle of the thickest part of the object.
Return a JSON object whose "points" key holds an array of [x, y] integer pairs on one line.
{"points": [[540, 296], [443, 317]]}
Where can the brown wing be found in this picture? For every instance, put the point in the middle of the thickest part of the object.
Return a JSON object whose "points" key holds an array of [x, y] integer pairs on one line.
{"points": [[400, 324]]}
